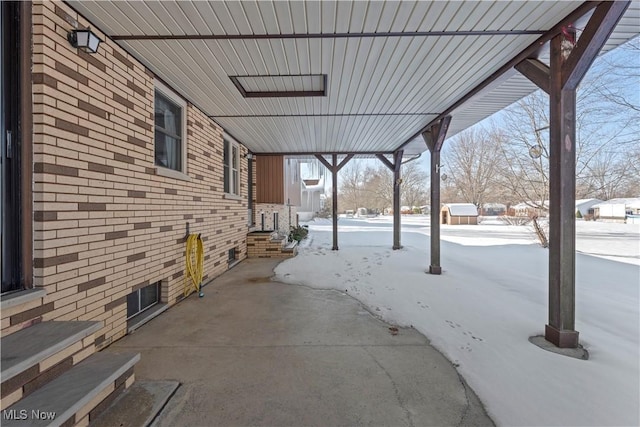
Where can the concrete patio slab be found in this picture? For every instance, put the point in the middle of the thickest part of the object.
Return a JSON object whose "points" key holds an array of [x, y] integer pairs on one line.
{"points": [[258, 352], [138, 405]]}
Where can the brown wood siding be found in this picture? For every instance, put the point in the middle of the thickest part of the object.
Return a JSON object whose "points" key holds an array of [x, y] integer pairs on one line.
{"points": [[270, 179]]}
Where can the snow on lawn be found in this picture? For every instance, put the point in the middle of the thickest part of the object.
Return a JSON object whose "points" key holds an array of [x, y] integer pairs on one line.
{"points": [[491, 297]]}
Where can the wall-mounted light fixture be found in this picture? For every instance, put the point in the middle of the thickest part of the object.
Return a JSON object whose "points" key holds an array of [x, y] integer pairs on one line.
{"points": [[85, 39], [249, 156]]}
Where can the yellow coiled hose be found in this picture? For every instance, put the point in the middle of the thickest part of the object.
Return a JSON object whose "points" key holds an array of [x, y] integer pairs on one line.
{"points": [[194, 260]]}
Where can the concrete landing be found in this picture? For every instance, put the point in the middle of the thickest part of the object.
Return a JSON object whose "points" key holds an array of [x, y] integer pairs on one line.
{"points": [[257, 352]]}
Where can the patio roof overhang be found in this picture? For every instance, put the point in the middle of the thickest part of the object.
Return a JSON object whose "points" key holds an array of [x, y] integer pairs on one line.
{"points": [[342, 76]]}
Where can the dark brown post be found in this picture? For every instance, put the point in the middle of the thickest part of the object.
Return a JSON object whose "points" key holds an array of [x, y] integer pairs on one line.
{"points": [[562, 166], [397, 182], [568, 64], [334, 198], [334, 167], [434, 138]]}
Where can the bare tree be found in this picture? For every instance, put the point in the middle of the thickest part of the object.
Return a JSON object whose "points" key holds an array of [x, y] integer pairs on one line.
{"points": [[525, 176], [622, 67], [610, 175], [413, 191], [366, 186], [473, 160], [352, 185]]}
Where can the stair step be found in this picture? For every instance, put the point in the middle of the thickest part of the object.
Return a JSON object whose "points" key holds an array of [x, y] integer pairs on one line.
{"points": [[291, 246], [21, 308], [21, 297], [30, 346], [64, 400]]}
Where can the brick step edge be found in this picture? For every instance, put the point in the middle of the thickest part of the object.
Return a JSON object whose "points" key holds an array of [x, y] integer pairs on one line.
{"points": [[70, 399]]}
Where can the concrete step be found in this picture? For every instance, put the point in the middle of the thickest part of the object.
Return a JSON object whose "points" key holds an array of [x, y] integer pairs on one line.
{"points": [[291, 247], [76, 396], [37, 354], [21, 308]]}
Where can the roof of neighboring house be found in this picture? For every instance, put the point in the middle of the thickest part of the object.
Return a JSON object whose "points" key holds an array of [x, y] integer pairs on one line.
{"points": [[311, 181], [462, 209], [631, 202], [494, 206], [587, 203]]}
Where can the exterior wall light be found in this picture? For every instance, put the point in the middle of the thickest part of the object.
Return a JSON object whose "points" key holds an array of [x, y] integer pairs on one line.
{"points": [[535, 151], [86, 40]]}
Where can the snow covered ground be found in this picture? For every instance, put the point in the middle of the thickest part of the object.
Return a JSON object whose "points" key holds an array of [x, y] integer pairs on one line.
{"points": [[491, 297]]}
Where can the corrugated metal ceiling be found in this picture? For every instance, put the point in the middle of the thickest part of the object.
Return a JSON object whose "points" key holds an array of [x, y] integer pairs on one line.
{"points": [[382, 88]]}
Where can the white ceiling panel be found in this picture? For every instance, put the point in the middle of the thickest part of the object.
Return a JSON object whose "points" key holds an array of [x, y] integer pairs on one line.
{"points": [[380, 90]]}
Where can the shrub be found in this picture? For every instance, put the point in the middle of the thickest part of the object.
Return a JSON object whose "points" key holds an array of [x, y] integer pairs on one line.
{"points": [[578, 214], [298, 233]]}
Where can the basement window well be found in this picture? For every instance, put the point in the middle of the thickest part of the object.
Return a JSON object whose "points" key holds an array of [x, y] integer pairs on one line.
{"points": [[232, 258], [143, 305], [142, 299]]}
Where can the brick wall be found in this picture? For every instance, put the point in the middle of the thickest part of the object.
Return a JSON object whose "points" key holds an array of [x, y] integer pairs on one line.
{"points": [[104, 222], [283, 216]]}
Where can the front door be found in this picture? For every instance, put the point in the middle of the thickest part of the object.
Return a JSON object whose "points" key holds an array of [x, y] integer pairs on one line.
{"points": [[10, 148]]}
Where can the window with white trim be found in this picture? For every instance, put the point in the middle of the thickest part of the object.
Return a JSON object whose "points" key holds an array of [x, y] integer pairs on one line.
{"points": [[231, 160], [170, 123]]}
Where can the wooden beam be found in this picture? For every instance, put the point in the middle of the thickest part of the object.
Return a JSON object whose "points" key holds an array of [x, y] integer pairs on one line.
{"points": [[353, 35], [428, 138], [595, 35], [397, 182], [385, 161], [536, 71], [344, 162], [443, 127], [324, 162], [529, 51]]}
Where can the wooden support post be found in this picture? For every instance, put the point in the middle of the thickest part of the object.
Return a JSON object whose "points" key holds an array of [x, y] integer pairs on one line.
{"points": [[397, 182], [562, 166], [434, 266], [334, 167], [334, 199], [395, 167], [434, 138], [568, 64]]}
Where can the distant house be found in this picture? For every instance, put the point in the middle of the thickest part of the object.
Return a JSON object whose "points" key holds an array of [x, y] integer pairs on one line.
{"points": [[313, 188], [530, 208], [459, 214], [585, 206], [493, 209], [616, 210]]}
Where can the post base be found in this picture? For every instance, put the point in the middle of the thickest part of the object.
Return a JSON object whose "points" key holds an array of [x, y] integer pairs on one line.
{"points": [[396, 247], [561, 338], [335, 248], [435, 269]]}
